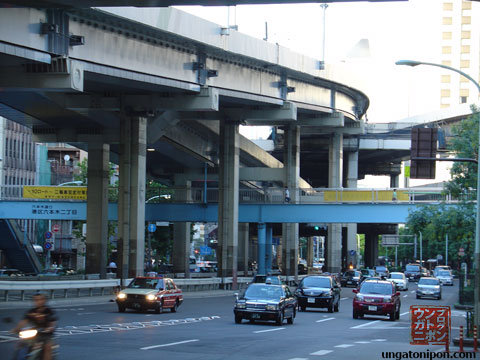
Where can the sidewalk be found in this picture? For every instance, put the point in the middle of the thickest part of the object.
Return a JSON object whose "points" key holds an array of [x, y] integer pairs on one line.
{"points": [[97, 300]]}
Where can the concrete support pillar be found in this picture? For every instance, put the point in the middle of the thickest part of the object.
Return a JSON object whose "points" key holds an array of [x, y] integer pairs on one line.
{"points": [[394, 181], [243, 245], [181, 248], [352, 178], [97, 209], [371, 249], [334, 239], [228, 201], [291, 164], [310, 251], [262, 241], [268, 249], [138, 138], [123, 244]]}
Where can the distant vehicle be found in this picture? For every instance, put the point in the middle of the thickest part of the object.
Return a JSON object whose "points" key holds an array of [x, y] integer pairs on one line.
{"points": [[193, 264], [400, 281], [445, 277], [267, 279], [302, 266], [11, 272], [382, 271], [351, 278], [144, 293], [318, 292], [414, 272], [266, 302], [376, 297], [429, 287], [368, 272], [440, 268]]}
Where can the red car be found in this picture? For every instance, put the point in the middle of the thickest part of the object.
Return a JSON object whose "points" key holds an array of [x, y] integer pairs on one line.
{"points": [[145, 293], [377, 297]]}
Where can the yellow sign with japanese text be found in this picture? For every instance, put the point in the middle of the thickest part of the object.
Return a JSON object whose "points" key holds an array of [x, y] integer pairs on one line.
{"points": [[55, 192]]}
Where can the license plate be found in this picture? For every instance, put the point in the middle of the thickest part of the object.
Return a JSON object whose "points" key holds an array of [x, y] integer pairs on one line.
{"points": [[136, 305], [311, 300], [349, 282], [255, 316], [372, 308]]}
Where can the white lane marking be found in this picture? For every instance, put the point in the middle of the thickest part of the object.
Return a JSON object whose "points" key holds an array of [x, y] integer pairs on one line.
{"points": [[362, 342], [86, 313], [171, 344], [298, 359], [405, 313], [413, 291], [379, 340], [325, 320], [322, 352], [344, 345], [405, 296], [366, 324], [343, 298], [262, 331]]}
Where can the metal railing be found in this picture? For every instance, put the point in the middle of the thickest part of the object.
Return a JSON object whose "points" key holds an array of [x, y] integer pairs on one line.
{"points": [[270, 195]]}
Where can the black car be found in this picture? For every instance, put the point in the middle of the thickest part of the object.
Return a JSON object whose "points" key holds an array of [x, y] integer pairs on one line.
{"points": [[318, 292], [413, 272], [382, 271], [351, 278], [266, 302]]}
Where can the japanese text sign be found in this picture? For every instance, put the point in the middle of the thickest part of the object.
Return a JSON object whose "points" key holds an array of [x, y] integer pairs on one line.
{"points": [[430, 325]]}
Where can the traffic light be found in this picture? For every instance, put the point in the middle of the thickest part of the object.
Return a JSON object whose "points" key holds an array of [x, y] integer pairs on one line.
{"points": [[423, 146], [316, 227]]}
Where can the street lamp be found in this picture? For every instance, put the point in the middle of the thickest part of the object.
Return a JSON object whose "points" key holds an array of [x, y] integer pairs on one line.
{"points": [[477, 225]]}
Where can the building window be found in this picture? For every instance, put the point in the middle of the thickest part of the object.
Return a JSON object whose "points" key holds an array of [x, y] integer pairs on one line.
{"points": [[466, 5], [446, 49], [463, 99], [447, 6], [447, 20], [466, 34], [447, 35], [445, 78], [466, 20], [464, 63], [447, 62]]}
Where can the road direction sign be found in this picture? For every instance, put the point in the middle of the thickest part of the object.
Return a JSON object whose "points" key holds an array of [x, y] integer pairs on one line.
{"points": [[205, 250], [48, 235], [47, 245], [56, 228], [152, 227]]}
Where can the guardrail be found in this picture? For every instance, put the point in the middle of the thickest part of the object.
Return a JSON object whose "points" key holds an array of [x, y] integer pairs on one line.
{"points": [[20, 289], [246, 196]]}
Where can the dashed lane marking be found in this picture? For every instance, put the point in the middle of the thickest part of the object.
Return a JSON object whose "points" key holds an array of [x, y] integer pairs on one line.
{"points": [[362, 342], [319, 321], [405, 313], [379, 340], [298, 359], [344, 345], [343, 298], [270, 330], [366, 324], [405, 296], [171, 344], [322, 352], [413, 291]]}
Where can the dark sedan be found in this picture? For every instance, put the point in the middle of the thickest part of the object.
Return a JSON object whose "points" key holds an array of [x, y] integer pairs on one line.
{"points": [[318, 292], [351, 278], [266, 302]]}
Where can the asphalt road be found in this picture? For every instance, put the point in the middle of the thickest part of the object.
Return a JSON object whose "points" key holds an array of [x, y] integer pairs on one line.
{"points": [[204, 328]]}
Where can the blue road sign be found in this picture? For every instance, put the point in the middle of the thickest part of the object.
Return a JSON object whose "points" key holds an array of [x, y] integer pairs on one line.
{"points": [[48, 235], [152, 227], [352, 252], [47, 245], [205, 250]]}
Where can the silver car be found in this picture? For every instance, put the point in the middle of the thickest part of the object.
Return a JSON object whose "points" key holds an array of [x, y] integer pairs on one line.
{"points": [[429, 287], [445, 277], [401, 282]]}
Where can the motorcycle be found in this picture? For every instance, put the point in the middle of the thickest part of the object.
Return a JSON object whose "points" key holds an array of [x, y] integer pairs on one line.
{"points": [[31, 345]]}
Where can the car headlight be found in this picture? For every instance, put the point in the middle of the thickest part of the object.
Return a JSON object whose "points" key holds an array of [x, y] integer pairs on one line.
{"points": [[271, 307], [241, 305], [359, 297], [121, 296], [298, 292], [388, 298], [151, 297]]}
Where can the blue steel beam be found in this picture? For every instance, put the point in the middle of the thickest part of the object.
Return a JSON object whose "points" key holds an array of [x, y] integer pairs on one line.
{"points": [[395, 213]]}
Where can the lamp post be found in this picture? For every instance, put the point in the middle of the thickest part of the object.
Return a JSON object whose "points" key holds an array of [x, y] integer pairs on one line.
{"points": [[477, 224]]}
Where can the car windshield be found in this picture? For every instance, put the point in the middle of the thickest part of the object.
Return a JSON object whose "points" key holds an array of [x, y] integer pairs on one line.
{"points": [[316, 282], [376, 288], [412, 268], [444, 273], [381, 268], [142, 283], [274, 280], [396, 276], [264, 292], [428, 282]]}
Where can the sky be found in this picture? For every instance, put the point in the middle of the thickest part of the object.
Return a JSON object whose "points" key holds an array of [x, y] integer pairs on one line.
{"points": [[394, 31]]}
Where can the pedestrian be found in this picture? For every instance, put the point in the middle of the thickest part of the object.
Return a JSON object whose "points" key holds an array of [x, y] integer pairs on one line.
{"points": [[394, 195], [287, 195]]}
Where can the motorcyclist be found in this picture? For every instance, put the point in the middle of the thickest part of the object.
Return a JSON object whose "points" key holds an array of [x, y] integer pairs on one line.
{"points": [[44, 320]]}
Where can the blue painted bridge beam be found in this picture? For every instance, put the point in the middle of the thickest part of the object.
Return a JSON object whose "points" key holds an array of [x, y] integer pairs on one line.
{"points": [[396, 213]]}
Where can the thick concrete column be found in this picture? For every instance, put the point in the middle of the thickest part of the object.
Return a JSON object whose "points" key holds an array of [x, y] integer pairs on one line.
{"points": [[262, 241], [243, 241], [352, 178], [394, 181], [181, 248], [291, 164], [334, 239], [97, 209], [228, 200], [268, 249], [137, 196], [123, 244], [310, 251], [371, 249]]}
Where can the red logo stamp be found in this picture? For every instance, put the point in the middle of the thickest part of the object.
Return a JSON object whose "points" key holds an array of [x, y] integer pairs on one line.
{"points": [[430, 325]]}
